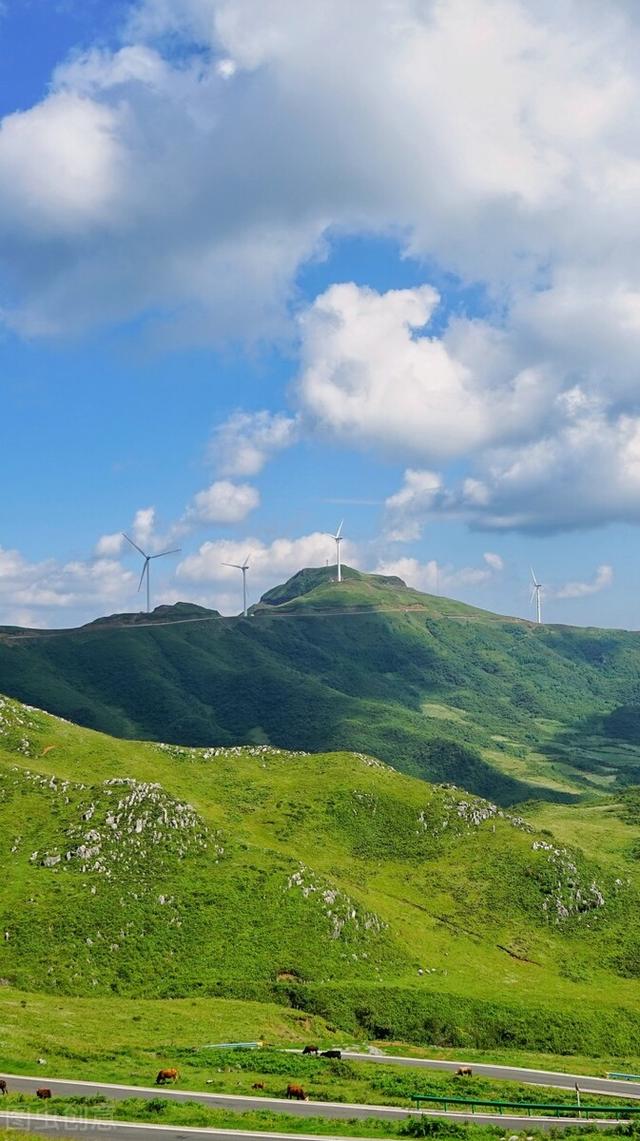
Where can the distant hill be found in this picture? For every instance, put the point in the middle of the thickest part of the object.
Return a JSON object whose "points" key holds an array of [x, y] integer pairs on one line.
{"points": [[394, 908], [436, 688]]}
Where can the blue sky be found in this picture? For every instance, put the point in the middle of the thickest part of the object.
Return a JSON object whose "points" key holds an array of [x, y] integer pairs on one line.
{"points": [[260, 273]]}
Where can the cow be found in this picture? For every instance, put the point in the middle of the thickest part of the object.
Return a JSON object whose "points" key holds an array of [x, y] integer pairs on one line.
{"points": [[464, 1072], [3, 1087], [296, 1092], [310, 1050], [43, 1094], [258, 1085], [165, 1076], [331, 1054]]}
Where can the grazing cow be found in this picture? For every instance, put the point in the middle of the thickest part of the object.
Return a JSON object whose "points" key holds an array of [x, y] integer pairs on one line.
{"points": [[310, 1050], [464, 1072], [296, 1092], [3, 1086], [331, 1054], [258, 1085], [165, 1076], [43, 1094]]}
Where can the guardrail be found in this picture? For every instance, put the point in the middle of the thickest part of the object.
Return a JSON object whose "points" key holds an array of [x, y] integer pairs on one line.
{"points": [[573, 1108], [624, 1077]]}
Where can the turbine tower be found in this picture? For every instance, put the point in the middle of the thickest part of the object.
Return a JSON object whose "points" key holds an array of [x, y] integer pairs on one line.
{"points": [[244, 567], [337, 538], [536, 593], [145, 566]]}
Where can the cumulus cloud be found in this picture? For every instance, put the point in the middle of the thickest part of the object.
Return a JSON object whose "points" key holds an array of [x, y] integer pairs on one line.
{"points": [[600, 581], [110, 545], [166, 197], [582, 471], [244, 443], [369, 378], [222, 502], [269, 562], [407, 509], [39, 591], [437, 578], [186, 205]]}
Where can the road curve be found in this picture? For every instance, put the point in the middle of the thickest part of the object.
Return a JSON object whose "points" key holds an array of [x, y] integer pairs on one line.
{"points": [[549, 1078], [51, 1125]]}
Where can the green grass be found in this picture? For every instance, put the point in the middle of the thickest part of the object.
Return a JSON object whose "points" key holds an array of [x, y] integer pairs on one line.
{"points": [[332, 884], [299, 679]]}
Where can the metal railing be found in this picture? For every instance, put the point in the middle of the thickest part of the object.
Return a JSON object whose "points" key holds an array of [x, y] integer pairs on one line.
{"points": [[542, 1108]]}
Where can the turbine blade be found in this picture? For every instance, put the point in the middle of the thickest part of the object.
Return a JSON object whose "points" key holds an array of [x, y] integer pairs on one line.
{"points": [[533, 576], [145, 570], [246, 559], [173, 551], [339, 531], [235, 565], [143, 553]]}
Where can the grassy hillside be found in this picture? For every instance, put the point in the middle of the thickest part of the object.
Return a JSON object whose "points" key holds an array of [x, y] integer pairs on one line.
{"points": [[392, 908], [435, 688]]}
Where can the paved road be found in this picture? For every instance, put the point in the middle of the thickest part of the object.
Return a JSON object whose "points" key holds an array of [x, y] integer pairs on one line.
{"points": [[237, 1102], [241, 1103], [510, 1073], [54, 1126]]}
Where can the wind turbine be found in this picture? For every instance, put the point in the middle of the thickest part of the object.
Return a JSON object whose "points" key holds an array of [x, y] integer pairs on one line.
{"points": [[147, 559], [536, 592], [244, 567], [338, 539]]}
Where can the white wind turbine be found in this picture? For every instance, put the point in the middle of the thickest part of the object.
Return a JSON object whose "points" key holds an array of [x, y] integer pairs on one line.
{"points": [[536, 594], [145, 567], [244, 567], [337, 538]]}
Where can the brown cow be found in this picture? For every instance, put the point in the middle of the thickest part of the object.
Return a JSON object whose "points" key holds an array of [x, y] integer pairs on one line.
{"points": [[3, 1086], [310, 1050], [464, 1072], [165, 1076], [296, 1092], [258, 1085], [43, 1094]]}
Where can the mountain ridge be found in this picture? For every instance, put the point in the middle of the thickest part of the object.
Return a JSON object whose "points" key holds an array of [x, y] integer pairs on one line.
{"points": [[434, 687]]}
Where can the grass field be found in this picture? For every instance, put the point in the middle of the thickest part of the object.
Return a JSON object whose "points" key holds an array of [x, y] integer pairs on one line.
{"points": [[325, 887]]}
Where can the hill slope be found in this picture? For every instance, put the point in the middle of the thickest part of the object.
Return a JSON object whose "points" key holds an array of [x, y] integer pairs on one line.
{"points": [[434, 687], [330, 882]]}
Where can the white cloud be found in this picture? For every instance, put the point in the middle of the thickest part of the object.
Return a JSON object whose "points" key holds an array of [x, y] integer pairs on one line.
{"points": [[204, 213], [222, 502], [497, 138], [270, 563], [582, 471], [75, 141], [144, 526], [435, 578], [494, 562], [41, 590], [601, 580], [407, 509], [244, 443], [371, 376], [108, 546]]}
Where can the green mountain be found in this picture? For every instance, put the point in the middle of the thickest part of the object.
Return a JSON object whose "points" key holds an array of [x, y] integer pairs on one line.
{"points": [[435, 688], [392, 907]]}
